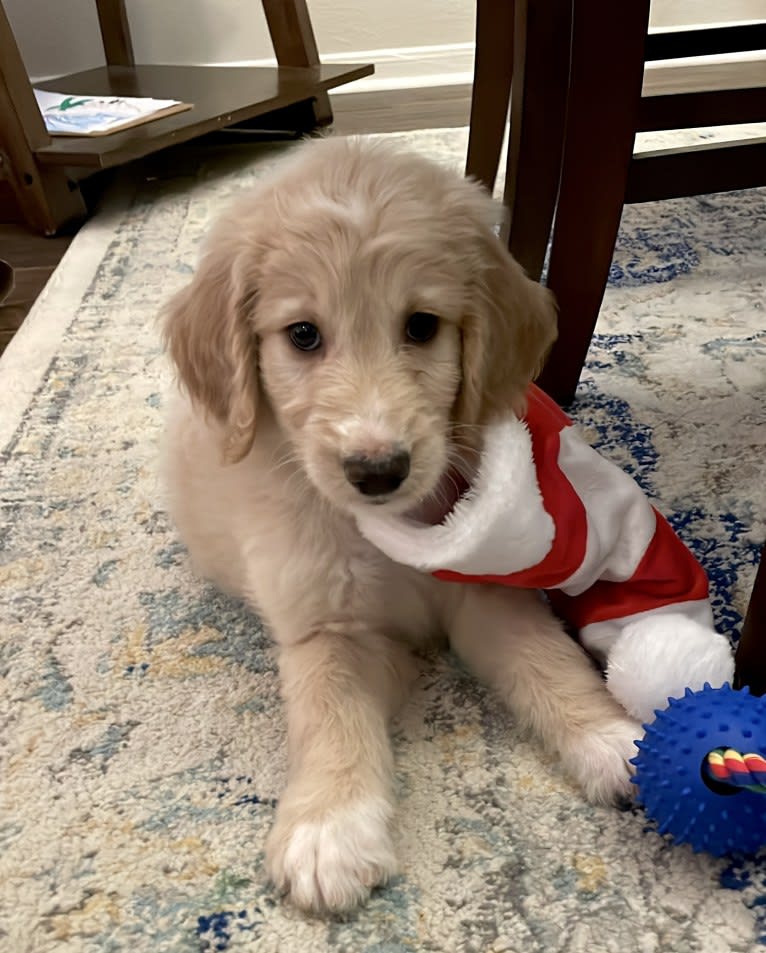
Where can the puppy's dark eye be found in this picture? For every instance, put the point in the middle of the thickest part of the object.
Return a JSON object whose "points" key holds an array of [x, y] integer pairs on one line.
{"points": [[305, 336], [421, 327]]}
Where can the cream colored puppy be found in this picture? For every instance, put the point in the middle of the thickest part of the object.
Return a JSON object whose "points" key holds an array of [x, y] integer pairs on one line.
{"points": [[353, 324]]}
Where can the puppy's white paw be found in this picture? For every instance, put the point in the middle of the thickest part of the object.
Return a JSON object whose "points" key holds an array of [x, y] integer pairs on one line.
{"points": [[599, 759], [329, 862]]}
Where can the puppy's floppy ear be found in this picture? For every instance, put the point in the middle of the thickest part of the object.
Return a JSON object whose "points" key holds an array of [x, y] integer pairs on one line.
{"points": [[507, 332], [211, 339]]}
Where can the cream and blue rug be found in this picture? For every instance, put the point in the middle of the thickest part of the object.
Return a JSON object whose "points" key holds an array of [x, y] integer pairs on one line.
{"points": [[142, 733]]}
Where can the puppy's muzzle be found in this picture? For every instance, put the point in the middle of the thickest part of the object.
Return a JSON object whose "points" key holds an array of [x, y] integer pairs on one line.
{"points": [[377, 476]]}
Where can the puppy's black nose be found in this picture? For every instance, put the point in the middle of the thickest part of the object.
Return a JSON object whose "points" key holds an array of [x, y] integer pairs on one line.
{"points": [[375, 476]]}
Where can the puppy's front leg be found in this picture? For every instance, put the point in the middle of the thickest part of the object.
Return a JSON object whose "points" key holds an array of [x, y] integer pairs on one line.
{"points": [[512, 640], [331, 841]]}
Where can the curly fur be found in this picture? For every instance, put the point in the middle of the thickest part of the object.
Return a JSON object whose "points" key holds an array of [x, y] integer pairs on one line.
{"points": [[354, 238]]}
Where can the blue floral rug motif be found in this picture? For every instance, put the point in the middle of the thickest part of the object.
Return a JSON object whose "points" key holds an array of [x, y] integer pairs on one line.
{"points": [[142, 750]]}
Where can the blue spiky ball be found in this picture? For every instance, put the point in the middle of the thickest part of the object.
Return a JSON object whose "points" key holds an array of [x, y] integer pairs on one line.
{"points": [[669, 771]]}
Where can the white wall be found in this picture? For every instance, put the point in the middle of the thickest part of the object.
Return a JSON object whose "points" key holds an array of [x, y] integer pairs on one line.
{"points": [[407, 39], [412, 42], [669, 13]]}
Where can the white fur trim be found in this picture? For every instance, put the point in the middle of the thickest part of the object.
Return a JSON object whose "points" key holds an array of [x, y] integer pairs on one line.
{"points": [[599, 638], [500, 526], [658, 657], [621, 520]]}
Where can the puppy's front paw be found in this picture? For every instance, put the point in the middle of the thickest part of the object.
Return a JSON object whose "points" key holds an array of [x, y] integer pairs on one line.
{"points": [[599, 759], [329, 860]]}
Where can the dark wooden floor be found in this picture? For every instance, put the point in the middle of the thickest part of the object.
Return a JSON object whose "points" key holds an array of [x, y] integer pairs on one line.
{"points": [[33, 258], [402, 110]]}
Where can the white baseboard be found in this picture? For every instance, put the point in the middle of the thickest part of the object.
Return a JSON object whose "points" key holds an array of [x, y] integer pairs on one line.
{"points": [[448, 64]]}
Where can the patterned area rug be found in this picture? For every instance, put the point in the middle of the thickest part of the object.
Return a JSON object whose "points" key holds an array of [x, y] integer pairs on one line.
{"points": [[143, 738]]}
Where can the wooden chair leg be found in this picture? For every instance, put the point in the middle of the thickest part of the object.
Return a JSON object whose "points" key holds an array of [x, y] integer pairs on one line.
{"points": [[115, 32], [541, 57], [604, 97], [492, 71], [751, 650], [45, 197], [292, 37]]}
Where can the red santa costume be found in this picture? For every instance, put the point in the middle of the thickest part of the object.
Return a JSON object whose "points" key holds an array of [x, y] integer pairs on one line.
{"points": [[546, 511]]}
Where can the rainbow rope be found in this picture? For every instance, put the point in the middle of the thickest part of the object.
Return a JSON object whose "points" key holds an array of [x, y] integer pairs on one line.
{"points": [[729, 767]]}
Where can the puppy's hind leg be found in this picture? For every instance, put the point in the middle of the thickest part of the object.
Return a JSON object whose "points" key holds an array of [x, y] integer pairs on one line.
{"points": [[331, 841], [512, 641]]}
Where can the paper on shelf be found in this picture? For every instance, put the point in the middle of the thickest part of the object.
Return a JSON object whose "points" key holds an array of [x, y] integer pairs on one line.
{"points": [[68, 115]]}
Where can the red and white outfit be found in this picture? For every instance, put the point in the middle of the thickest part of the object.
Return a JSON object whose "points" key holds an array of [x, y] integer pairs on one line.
{"points": [[546, 511]]}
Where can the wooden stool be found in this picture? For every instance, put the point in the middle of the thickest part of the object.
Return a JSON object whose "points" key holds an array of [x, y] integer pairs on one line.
{"points": [[42, 172]]}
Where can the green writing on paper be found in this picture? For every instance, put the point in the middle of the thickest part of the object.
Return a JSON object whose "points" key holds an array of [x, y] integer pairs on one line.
{"points": [[70, 102]]}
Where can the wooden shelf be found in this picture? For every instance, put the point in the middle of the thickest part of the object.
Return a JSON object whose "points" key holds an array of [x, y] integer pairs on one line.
{"points": [[221, 96], [43, 176]]}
